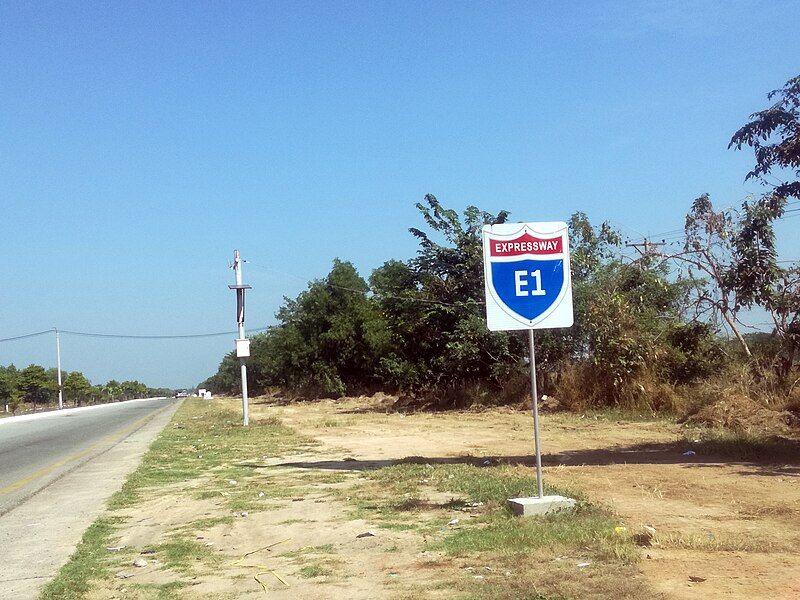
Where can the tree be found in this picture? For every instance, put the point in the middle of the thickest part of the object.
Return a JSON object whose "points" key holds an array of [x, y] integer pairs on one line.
{"points": [[710, 259], [77, 387], [774, 135], [330, 336], [7, 388], [435, 307], [95, 394], [592, 249], [35, 384], [132, 389], [113, 390]]}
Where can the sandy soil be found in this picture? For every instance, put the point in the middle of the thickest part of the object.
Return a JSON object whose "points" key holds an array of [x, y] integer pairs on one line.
{"points": [[737, 526], [733, 527]]}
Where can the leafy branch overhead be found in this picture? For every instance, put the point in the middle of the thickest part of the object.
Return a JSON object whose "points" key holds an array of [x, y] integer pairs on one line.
{"points": [[774, 135]]}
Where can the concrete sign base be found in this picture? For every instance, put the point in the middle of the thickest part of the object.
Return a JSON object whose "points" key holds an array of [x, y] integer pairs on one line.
{"points": [[528, 507]]}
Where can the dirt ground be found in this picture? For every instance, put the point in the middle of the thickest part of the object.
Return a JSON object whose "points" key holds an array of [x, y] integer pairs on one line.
{"points": [[723, 530], [715, 518]]}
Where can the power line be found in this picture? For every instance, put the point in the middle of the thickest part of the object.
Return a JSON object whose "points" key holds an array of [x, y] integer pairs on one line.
{"points": [[676, 234], [155, 337], [357, 291], [130, 337], [27, 335]]}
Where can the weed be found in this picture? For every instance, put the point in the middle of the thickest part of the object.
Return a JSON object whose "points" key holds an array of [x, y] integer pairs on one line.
{"points": [[711, 542], [86, 564], [203, 439], [311, 571], [332, 422], [182, 554], [586, 527], [305, 550], [163, 591]]}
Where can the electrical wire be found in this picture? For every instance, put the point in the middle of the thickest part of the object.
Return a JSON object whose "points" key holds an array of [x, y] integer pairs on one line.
{"points": [[357, 291], [27, 335], [131, 337]]}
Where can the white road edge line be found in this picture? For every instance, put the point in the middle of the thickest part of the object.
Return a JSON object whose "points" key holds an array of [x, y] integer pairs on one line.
{"points": [[66, 411]]}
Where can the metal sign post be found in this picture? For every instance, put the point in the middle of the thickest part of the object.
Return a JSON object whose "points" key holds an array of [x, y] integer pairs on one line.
{"points": [[528, 286], [536, 442], [242, 343]]}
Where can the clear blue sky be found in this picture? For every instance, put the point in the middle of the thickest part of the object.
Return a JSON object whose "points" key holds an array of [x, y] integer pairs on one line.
{"points": [[140, 143]]}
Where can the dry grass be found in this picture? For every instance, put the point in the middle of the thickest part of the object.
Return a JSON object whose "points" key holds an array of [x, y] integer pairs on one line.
{"points": [[716, 542], [580, 387]]}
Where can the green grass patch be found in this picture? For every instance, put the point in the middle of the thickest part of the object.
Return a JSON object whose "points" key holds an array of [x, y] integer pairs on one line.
{"points": [[493, 484], [203, 445], [426, 497], [311, 571], [202, 439], [207, 523], [185, 555], [160, 591], [587, 529], [293, 521], [87, 563]]}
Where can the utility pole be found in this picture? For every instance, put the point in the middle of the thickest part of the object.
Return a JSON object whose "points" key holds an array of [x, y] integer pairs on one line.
{"points": [[242, 343], [646, 247], [58, 365]]}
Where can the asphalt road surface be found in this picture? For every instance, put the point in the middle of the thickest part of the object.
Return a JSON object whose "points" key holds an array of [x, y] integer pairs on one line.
{"points": [[36, 450]]}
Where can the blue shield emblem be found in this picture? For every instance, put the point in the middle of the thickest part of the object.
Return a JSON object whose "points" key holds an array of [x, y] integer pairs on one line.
{"points": [[528, 287]]}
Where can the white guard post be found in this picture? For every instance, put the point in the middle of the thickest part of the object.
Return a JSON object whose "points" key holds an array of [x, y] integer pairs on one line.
{"points": [[528, 286]]}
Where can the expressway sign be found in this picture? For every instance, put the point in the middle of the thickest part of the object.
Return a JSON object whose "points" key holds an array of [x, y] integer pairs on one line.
{"points": [[527, 275]]}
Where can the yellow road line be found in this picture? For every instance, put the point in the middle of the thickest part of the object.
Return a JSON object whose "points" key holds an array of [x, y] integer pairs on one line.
{"points": [[118, 436]]}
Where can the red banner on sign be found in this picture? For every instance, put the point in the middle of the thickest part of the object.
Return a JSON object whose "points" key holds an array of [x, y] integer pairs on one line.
{"points": [[525, 244]]}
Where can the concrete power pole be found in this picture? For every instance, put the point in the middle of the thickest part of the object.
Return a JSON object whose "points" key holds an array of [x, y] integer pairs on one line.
{"points": [[242, 343], [58, 365]]}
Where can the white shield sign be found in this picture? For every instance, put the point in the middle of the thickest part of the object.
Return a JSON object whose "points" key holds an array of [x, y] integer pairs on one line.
{"points": [[527, 274]]}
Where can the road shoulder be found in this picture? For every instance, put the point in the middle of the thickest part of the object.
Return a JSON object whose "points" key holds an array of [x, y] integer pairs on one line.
{"points": [[42, 533]]}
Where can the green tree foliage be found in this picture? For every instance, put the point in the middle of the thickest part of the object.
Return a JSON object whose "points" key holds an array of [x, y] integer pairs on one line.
{"points": [[76, 388], [730, 263], [133, 389], [774, 135], [112, 390], [39, 385], [419, 326], [329, 341], [8, 386], [435, 308], [35, 384], [633, 323]]}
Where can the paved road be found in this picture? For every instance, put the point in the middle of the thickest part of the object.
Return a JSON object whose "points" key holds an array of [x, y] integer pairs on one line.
{"points": [[35, 450], [57, 472]]}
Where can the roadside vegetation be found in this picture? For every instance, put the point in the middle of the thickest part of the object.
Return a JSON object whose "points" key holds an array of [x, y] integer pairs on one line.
{"points": [[204, 452], [35, 387], [229, 475], [414, 505], [660, 330]]}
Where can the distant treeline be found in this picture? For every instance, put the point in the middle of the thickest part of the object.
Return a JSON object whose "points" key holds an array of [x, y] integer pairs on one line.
{"points": [[39, 386], [646, 324]]}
